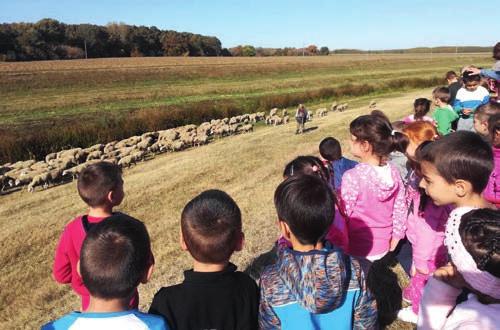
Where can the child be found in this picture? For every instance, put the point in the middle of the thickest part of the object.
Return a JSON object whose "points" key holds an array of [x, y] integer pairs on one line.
{"points": [[312, 285], [425, 225], [421, 107], [398, 156], [331, 153], [453, 85], [372, 192], [469, 97], [101, 187], [473, 247], [492, 191], [481, 117], [114, 260], [310, 165], [494, 73], [213, 295], [443, 115]]}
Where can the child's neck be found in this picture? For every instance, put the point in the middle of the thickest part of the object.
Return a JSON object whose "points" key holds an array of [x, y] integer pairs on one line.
{"points": [[371, 159], [209, 268], [308, 247], [473, 200], [98, 305], [101, 211]]}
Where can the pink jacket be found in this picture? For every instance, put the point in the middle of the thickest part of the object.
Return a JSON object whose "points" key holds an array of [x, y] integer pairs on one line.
{"points": [[439, 300], [426, 231], [376, 209], [492, 191]]}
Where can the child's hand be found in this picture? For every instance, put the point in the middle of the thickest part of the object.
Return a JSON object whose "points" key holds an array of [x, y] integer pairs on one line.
{"points": [[467, 111], [421, 271], [394, 244], [449, 275]]}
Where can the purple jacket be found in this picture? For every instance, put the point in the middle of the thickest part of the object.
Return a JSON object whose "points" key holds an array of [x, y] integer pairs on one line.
{"points": [[492, 191], [376, 209]]}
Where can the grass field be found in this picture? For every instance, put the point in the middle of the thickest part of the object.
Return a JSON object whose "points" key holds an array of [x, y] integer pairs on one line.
{"points": [[48, 105], [248, 167]]}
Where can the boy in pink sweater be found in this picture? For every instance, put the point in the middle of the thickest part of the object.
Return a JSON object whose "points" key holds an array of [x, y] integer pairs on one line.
{"points": [[473, 247], [372, 193], [101, 187]]}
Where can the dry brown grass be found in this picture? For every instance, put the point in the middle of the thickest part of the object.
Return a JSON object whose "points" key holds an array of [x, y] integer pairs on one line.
{"points": [[248, 167]]}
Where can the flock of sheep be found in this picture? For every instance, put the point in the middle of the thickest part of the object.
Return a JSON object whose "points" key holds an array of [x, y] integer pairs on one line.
{"points": [[65, 165]]}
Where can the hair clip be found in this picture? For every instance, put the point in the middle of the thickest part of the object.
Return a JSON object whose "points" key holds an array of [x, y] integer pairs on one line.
{"points": [[393, 132], [315, 168], [291, 171]]}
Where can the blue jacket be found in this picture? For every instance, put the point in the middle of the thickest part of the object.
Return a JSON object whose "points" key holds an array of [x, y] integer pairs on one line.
{"points": [[339, 167], [315, 290]]}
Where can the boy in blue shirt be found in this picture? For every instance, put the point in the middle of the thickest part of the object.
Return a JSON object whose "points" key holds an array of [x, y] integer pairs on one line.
{"points": [[115, 258], [331, 155], [468, 98]]}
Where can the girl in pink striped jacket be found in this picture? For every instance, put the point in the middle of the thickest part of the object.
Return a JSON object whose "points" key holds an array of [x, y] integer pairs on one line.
{"points": [[372, 193]]}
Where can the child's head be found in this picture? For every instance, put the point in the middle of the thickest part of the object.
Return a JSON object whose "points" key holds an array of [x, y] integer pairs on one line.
{"points": [[496, 51], [309, 165], [454, 167], [421, 106], [482, 115], [471, 81], [116, 257], [451, 76], [305, 207], [211, 227], [441, 95], [494, 129], [101, 184], [330, 149], [418, 132], [373, 136], [474, 246]]}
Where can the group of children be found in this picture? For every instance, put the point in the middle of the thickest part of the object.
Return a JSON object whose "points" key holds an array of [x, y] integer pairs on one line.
{"points": [[416, 181]]}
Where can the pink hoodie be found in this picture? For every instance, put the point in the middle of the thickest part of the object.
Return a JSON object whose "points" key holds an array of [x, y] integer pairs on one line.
{"points": [[376, 209], [492, 191], [425, 231]]}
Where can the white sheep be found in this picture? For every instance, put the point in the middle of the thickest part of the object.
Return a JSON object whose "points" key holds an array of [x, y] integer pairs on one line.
{"points": [[273, 112]]}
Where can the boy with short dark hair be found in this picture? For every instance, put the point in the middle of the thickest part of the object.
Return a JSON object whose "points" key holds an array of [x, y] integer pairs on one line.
{"points": [[453, 84], [213, 295], [469, 97], [331, 154], [114, 260], [100, 186], [312, 285], [443, 115]]}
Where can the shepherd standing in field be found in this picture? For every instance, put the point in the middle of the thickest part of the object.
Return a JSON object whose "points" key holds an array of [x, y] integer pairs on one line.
{"points": [[300, 117]]}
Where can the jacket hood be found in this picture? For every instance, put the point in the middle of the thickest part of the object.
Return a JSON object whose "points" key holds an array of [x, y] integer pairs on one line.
{"points": [[318, 280], [382, 181]]}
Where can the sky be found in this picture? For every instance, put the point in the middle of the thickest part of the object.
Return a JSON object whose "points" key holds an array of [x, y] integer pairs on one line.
{"points": [[360, 24]]}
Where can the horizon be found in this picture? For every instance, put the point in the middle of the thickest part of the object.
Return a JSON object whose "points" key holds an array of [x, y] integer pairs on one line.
{"points": [[247, 24]]}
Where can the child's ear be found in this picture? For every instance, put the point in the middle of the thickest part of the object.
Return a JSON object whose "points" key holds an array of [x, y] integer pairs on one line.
{"points": [[147, 275], [182, 241], [285, 230], [365, 146], [110, 196], [462, 188], [241, 242]]}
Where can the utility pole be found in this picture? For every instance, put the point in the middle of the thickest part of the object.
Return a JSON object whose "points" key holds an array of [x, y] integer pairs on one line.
{"points": [[85, 46]]}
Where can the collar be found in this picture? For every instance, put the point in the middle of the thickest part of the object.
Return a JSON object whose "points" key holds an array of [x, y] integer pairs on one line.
{"points": [[201, 277]]}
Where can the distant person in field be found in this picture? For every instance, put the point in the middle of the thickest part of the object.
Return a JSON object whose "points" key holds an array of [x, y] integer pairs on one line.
{"points": [[421, 107], [114, 260], [213, 295], [469, 97], [443, 114], [493, 74], [300, 117], [331, 155], [312, 285], [101, 187]]}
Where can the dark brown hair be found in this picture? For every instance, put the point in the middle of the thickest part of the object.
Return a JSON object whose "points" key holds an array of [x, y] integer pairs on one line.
{"points": [[211, 226], [377, 132], [461, 155], [97, 180], [485, 111], [421, 107], [480, 233], [330, 149], [442, 94], [451, 75], [115, 257]]}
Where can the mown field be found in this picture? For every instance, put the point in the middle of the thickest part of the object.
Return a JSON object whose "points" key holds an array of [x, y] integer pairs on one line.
{"points": [[47, 105]]}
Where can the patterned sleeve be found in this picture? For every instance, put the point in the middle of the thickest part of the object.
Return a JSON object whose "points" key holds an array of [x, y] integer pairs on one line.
{"points": [[349, 190], [400, 212], [267, 317]]}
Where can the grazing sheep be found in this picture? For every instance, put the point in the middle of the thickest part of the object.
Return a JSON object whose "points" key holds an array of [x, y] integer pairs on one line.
{"points": [[95, 147], [94, 155], [145, 143], [38, 180], [246, 128], [22, 164], [334, 106], [286, 119], [273, 112], [178, 145], [109, 147], [50, 157], [138, 155], [284, 113], [200, 140], [321, 112]]}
